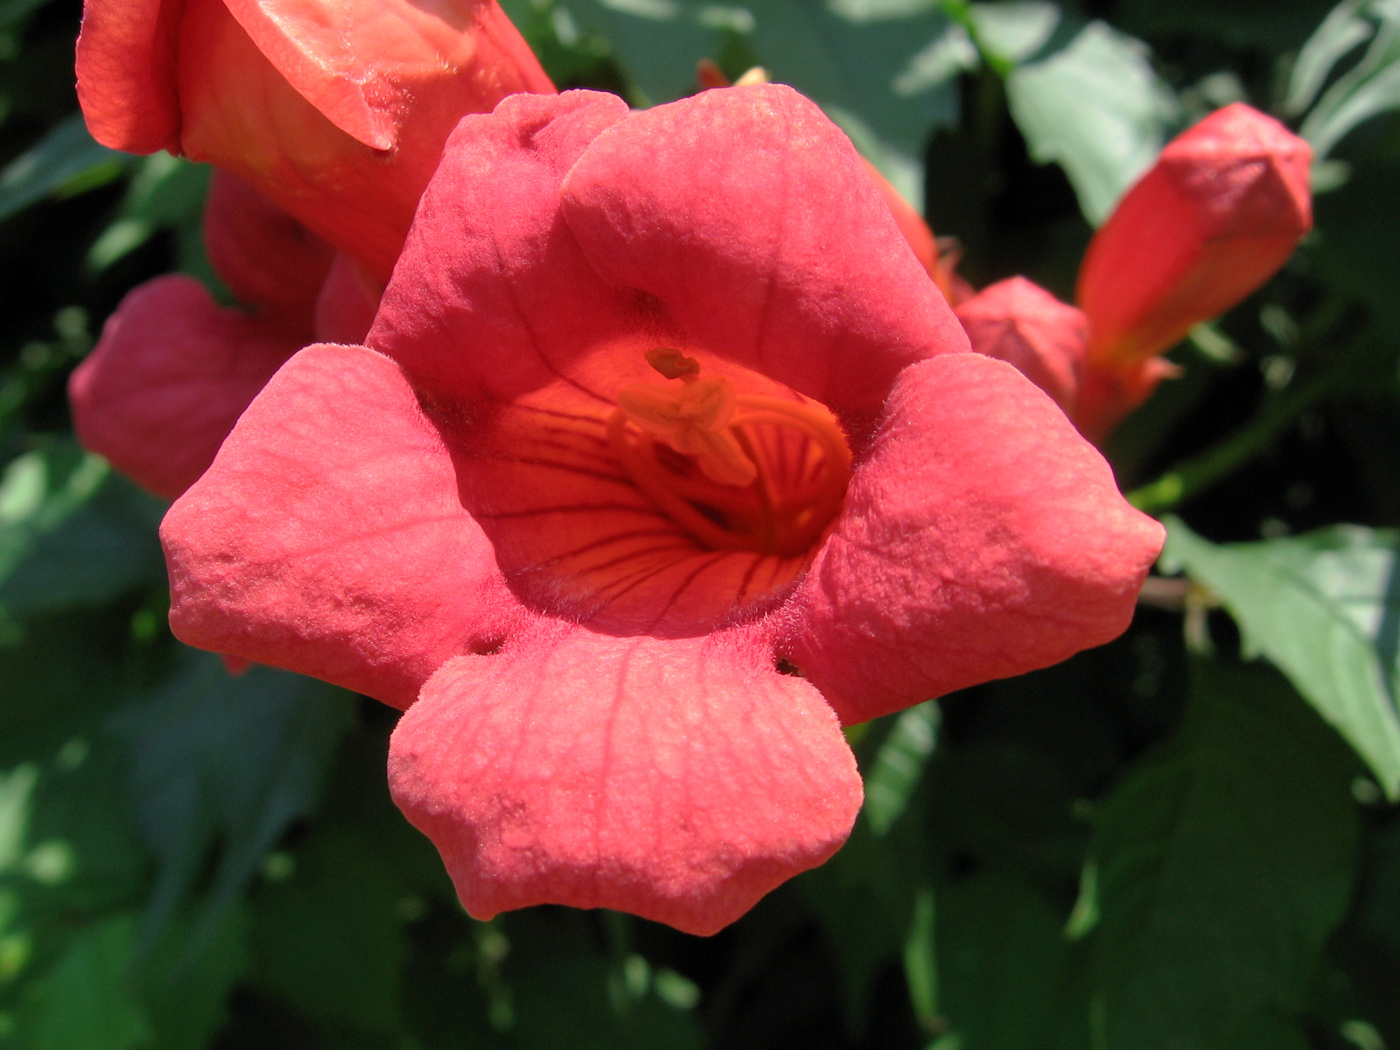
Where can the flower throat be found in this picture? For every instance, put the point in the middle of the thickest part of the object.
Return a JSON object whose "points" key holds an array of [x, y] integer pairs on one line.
{"points": [[736, 471]]}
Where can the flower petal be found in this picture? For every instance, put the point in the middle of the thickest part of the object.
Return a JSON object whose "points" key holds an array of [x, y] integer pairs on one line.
{"points": [[347, 302], [265, 256], [357, 60], [776, 250], [677, 780], [492, 294], [982, 538], [126, 74], [169, 378], [327, 537], [1215, 217]]}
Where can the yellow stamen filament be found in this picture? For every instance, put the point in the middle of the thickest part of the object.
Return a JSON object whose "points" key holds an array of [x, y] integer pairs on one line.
{"points": [[728, 502]]}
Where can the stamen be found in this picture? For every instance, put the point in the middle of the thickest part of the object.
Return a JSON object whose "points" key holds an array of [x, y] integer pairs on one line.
{"points": [[726, 489]]}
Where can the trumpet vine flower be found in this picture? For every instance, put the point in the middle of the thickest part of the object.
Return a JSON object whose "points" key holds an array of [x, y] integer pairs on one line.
{"points": [[663, 459], [337, 111]]}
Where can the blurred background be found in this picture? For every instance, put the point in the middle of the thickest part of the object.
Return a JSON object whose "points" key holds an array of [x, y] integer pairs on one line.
{"points": [[1186, 839]]}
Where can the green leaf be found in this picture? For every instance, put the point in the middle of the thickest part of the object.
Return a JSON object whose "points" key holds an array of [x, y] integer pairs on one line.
{"points": [[329, 936], [39, 491], [573, 1001], [106, 548], [165, 193], [86, 1002], [1012, 33], [1097, 109], [899, 764], [1223, 864], [1369, 88], [228, 761], [66, 159], [1003, 967], [1342, 30], [187, 992], [1325, 608], [867, 58]]}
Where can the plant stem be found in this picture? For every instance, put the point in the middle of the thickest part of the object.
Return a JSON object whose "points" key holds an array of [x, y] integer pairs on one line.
{"points": [[1193, 476]]}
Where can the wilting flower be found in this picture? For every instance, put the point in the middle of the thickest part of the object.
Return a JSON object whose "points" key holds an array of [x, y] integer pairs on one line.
{"points": [[662, 459], [173, 369], [336, 110]]}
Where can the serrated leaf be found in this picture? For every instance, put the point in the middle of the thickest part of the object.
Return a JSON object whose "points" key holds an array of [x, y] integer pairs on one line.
{"points": [[227, 761], [1223, 865], [86, 1001], [1324, 608], [1097, 109], [66, 155]]}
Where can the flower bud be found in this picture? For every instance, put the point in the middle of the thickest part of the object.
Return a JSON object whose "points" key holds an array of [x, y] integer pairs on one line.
{"points": [[337, 111], [1019, 322], [1215, 217]]}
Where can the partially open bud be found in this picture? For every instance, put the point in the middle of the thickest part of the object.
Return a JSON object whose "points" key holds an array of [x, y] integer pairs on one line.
{"points": [[337, 111], [1019, 322], [1215, 217]]}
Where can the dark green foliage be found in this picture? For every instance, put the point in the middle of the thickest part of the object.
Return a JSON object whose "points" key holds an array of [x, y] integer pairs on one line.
{"points": [[1185, 840]]}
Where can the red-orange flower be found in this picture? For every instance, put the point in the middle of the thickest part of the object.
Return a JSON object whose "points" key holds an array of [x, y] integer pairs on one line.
{"points": [[336, 110], [173, 369], [658, 406], [1219, 212], [1217, 215]]}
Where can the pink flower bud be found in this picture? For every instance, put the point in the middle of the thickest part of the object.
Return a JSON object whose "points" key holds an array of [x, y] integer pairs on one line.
{"points": [[1019, 322]]}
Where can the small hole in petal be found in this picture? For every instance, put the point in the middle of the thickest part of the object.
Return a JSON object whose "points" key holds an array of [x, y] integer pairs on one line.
{"points": [[486, 646], [785, 666]]}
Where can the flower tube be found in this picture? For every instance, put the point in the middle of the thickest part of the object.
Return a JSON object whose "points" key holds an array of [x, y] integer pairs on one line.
{"points": [[337, 111], [1217, 215]]}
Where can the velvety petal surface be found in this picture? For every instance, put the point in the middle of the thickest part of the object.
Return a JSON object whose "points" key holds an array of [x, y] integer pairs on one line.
{"points": [[265, 256], [983, 537], [126, 73], [327, 537], [169, 377], [492, 296], [676, 780], [776, 250]]}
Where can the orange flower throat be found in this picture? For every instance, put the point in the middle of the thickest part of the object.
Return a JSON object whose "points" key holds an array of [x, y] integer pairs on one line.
{"points": [[735, 471]]}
